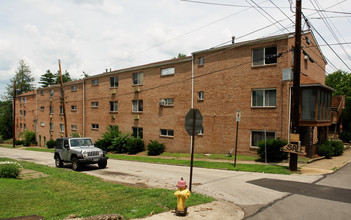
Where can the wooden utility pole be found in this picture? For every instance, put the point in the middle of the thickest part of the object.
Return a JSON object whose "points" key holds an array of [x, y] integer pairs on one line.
{"points": [[63, 100], [296, 88], [14, 115]]}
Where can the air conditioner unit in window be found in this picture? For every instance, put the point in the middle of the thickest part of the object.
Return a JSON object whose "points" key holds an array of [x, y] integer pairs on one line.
{"points": [[113, 91], [162, 102], [136, 117], [137, 89], [50, 116], [50, 99]]}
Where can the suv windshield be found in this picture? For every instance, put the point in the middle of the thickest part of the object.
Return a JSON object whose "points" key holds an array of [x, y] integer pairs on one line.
{"points": [[80, 142]]}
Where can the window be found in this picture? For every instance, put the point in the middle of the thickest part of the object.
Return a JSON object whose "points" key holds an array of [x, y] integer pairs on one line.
{"points": [[24, 113], [138, 132], [74, 88], [42, 92], [114, 106], [167, 132], [95, 82], [42, 124], [24, 99], [201, 95], [138, 78], [167, 102], [51, 109], [95, 126], [20, 125], [137, 106], [308, 104], [201, 132], [264, 56], [42, 108], [200, 61], [21, 100], [51, 93], [264, 98], [73, 107], [73, 127], [51, 125], [24, 126], [167, 71], [20, 113], [94, 104], [114, 82], [62, 128], [61, 109], [257, 136]]}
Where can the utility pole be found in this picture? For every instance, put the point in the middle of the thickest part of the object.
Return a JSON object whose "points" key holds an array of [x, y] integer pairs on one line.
{"points": [[63, 100], [296, 88], [14, 115]]}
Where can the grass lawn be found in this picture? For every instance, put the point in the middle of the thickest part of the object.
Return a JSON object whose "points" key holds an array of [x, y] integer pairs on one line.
{"points": [[207, 164], [64, 192], [211, 156]]}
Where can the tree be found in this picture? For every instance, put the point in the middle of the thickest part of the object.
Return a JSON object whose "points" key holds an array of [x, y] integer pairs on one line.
{"points": [[6, 119], [180, 55], [47, 79], [24, 81], [65, 77], [341, 82]]}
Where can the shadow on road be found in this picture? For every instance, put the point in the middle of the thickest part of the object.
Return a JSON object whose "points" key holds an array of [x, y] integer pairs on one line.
{"points": [[305, 189]]}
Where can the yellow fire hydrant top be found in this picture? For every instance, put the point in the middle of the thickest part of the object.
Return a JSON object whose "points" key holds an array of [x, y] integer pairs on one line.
{"points": [[182, 194]]}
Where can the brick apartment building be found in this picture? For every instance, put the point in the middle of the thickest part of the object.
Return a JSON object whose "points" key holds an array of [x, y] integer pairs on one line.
{"points": [[152, 100]]}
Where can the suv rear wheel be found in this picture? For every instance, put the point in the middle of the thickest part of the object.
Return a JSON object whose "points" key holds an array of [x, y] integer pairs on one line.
{"points": [[75, 164], [58, 161]]}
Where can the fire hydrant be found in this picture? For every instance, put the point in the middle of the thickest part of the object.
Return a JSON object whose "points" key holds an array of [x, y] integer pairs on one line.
{"points": [[182, 194]]}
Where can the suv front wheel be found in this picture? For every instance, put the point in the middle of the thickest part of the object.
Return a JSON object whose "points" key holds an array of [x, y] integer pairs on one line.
{"points": [[58, 162], [102, 164], [75, 164]]}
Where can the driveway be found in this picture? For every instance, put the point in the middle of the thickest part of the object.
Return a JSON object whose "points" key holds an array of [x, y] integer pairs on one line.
{"points": [[239, 188]]}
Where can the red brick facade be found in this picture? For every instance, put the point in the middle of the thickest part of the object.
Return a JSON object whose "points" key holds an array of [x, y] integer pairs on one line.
{"points": [[226, 79]]}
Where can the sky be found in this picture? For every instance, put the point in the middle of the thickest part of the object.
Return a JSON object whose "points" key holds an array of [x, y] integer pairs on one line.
{"points": [[93, 35]]}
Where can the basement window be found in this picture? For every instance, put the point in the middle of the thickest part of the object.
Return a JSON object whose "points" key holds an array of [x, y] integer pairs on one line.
{"points": [[166, 133], [257, 136]]}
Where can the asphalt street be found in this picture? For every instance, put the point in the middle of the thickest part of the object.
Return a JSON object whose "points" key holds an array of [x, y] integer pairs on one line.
{"points": [[259, 195]]}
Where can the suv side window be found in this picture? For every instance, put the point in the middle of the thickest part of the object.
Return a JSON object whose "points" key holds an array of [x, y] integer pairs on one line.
{"points": [[59, 144], [65, 143]]}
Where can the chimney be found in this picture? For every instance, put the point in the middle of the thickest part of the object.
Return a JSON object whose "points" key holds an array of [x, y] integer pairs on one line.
{"points": [[106, 70]]}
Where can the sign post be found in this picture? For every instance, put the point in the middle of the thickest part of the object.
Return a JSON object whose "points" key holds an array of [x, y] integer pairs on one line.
{"points": [[193, 126], [238, 117]]}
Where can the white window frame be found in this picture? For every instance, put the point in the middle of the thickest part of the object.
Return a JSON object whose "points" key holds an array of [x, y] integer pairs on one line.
{"points": [[24, 126], [42, 108], [61, 109], [167, 71], [73, 127], [200, 61], [168, 133], [264, 98], [201, 95], [51, 126], [263, 63], [138, 78], [95, 126], [73, 107], [113, 106], [42, 124], [74, 88], [114, 81], [52, 93], [138, 131], [95, 82], [51, 109], [168, 102], [24, 100], [62, 127], [201, 132], [137, 106], [262, 131], [94, 104], [24, 113], [42, 92]]}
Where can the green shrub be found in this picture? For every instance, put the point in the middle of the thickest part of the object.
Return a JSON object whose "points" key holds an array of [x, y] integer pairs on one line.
{"points": [[273, 150], [120, 143], [345, 136], [338, 148], [155, 148], [105, 143], [135, 145], [75, 134], [50, 143], [29, 137], [9, 169], [326, 149], [18, 142], [102, 144]]}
